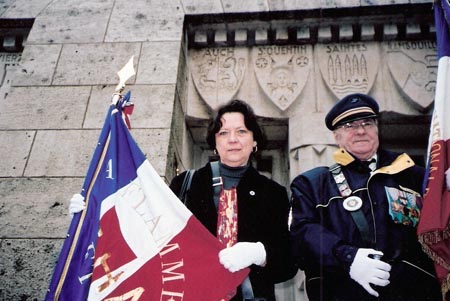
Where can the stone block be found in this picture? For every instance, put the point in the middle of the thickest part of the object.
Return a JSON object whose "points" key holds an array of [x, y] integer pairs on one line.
{"points": [[182, 76], [154, 143], [220, 36], [367, 32], [158, 63], [240, 35], [37, 65], [276, 5], [310, 156], [311, 4], [36, 207], [62, 153], [25, 9], [14, 153], [200, 37], [141, 21], [261, 36], [248, 6], [202, 7], [72, 21], [282, 34], [26, 267], [308, 129], [339, 3], [153, 106], [44, 108], [383, 2], [303, 33], [346, 33], [413, 31], [3, 8], [324, 35], [92, 64], [390, 32]]}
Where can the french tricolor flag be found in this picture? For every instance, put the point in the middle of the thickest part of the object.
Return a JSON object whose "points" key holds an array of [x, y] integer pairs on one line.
{"points": [[434, 227], [135, 240]]}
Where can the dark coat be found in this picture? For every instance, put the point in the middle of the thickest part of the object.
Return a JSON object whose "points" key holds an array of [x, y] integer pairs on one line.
{"points": [[263, 210], [326, 239]]}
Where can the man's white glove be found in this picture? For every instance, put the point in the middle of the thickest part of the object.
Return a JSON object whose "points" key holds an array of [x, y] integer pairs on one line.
{"points": [[77, 204], [366, 270], [242, 255]]}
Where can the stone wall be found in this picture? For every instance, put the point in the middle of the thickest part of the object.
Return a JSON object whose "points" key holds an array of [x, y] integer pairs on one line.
{"points": [[51, 114]]}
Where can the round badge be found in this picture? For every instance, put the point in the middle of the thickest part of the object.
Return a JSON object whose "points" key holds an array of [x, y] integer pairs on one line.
{"points": [[352, 203]]}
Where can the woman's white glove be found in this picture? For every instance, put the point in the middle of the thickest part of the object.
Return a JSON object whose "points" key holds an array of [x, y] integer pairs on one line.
{"points": [[447, 178], [242, 255], [366, 270], [77, 204]]}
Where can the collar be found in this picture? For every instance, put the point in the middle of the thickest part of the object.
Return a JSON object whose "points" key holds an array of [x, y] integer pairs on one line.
{"points": [[402, 162]]}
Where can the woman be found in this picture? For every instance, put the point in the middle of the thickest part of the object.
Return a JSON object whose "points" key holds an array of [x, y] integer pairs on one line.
{"points": [[249, 214]]}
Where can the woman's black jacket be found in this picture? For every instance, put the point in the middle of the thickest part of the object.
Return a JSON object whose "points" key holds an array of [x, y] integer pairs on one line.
{"points": [[263, 210]]}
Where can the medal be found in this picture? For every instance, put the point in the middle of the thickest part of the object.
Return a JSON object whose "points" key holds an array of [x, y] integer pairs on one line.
{"points": [[352, 203]]}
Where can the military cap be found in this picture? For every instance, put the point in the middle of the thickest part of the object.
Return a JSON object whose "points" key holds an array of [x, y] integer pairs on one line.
{"points": [[351, 107]]}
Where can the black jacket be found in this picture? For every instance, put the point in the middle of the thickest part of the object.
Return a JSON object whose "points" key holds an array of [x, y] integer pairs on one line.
{"points": [[326, 238], [263, 210]]}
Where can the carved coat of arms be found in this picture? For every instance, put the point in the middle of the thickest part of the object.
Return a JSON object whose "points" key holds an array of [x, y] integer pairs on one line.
{"points": [[282, 71], [348, 67], [413, 66], [218, 73]]}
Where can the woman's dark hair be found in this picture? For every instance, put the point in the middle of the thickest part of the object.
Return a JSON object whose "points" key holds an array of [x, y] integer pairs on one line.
{"points": [[236, 106]]}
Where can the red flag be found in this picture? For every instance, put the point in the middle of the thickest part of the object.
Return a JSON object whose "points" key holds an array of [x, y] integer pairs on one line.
{"points": [[136, 241], [434, 228]]}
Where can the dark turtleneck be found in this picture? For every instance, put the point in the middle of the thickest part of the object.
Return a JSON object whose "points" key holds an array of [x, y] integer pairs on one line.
{"points": [[231, 175]]}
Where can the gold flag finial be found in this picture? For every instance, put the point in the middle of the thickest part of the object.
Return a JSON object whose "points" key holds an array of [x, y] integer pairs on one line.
{"points": [[124, 74]]}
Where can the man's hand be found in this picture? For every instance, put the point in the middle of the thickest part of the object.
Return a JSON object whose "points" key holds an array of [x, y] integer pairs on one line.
{"points": [[77, 204], [242, 255], [366, 270]]}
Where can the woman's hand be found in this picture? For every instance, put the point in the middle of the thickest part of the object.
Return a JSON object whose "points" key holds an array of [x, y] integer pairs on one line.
{"points": [[242, 255]]}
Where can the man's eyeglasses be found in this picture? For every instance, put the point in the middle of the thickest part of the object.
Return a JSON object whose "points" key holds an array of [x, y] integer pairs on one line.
{"points": [[354, 126]]}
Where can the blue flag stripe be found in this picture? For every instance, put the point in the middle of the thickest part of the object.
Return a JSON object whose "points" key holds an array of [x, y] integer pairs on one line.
{"points": [[71, 277], [442, 15], [82, 217]]}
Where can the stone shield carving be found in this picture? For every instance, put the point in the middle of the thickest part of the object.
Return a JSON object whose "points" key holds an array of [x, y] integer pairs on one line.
{"points": [[348, 67], [218, 73], [282, 71], [413, 66]]}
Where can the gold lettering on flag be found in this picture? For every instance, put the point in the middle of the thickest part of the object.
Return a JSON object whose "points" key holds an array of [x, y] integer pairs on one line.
{"points": [[434, 159], [169, 273], [169, 296], [168, 268], [134, 295], [102, 261]]}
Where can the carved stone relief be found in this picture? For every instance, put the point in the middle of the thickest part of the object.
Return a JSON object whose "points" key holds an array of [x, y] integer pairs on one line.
{"points": [[8, 64], [282, 71], [348, 67], [413, 66], [218, 73], [400, 70]]}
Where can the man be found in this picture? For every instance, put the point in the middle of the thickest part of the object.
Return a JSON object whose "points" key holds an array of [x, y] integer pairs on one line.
{"points": [[354, 223]]}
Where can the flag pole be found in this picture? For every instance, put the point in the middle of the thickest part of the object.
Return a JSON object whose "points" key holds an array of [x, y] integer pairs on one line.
{"points": [[124, 74]]}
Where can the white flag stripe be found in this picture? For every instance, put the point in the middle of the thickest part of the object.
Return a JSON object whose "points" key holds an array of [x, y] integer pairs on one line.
{"points": [[441, 112], [150, 215]]}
